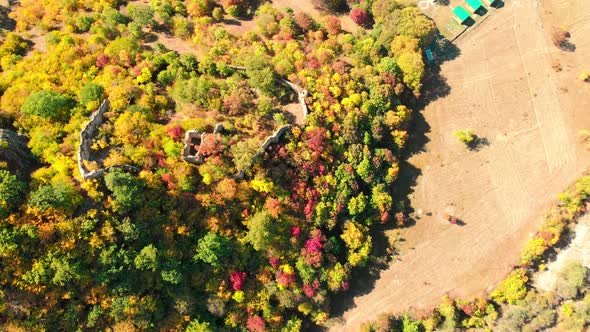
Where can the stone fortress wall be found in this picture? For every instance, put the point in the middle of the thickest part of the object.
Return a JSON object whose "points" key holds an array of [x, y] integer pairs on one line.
{"points": [[97, 119], [86, 135]]}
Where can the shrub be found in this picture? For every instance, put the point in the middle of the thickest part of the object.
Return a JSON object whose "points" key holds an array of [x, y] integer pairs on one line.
{"points": [[13, 44], [559, 37], [571, 281], [512, 288], [217, 14], [465, 136]]}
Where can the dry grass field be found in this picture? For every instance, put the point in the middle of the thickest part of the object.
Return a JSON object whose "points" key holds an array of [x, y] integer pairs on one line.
{"points": [[504, 85]]}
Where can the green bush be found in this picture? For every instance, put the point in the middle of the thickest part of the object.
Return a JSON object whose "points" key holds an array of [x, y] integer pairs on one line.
{"points": [[571, 281], [147, 259], [141, 14], [91, 92], [127, 189], [61, 195], [84, 22], [48, 104], [12, 191], [213, 249]]}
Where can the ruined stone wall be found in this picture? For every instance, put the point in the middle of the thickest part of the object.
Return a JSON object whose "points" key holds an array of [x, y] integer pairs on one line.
{"points": [[274, 138], [196, 159], [301, 95], [301, 92], [86, 135]]}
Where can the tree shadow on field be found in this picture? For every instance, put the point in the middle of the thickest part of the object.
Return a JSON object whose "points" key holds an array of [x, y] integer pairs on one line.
{"points": [[478, 143], [443, 50], [498, 4], [363, 280], [568, 46]]}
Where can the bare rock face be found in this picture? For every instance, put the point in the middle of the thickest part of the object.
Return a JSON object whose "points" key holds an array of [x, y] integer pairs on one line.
{"points": [[15, 153]]}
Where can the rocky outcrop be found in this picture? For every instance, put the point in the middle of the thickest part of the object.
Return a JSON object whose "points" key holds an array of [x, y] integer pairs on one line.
{"points": [[15, 153], [86, 135]]}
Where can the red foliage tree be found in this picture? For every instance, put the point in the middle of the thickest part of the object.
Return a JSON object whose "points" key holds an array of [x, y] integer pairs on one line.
{"points": [[314, 245], [175, 132], [345, 285], [400, 218], [167, 178], [273, 206], [359, 17], [317, 140], [210, 145], [309, 291], [312, 251], [274, 262], [295, 231], [303, 20], [237, 280], [102, 60], [332, 24], [256, 324], [285, 279]]}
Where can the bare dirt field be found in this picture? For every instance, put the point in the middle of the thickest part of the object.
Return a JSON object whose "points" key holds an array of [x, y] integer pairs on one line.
{"points": [[504, 87]]}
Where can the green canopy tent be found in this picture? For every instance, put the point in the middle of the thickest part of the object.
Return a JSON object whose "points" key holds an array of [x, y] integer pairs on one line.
{"points": [[461, 15], [475, 4]]}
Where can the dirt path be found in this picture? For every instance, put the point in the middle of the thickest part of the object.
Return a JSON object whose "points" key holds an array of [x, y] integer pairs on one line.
{"points": [[502, 86]]}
